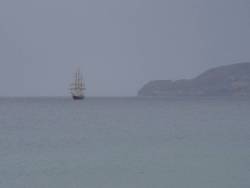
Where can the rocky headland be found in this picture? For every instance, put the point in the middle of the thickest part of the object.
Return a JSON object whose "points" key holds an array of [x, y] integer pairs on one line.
{"points": [[227, 80]]}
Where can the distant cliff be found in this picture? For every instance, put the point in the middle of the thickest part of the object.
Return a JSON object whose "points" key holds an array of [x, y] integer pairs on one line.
{"points": [[226, 80]]}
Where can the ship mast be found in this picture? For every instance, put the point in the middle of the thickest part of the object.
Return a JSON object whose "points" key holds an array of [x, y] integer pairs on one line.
{"points": [[79, 84], [76, 81]]}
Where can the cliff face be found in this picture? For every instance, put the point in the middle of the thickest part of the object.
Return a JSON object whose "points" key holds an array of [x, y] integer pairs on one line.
{"points": [[224, 80]]}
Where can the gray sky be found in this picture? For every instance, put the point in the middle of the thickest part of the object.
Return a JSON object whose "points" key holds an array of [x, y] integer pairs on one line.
{"points": [[119, 44]]}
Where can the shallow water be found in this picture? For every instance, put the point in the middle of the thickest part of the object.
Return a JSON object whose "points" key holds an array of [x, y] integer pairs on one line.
{"points": [[124, 143]]}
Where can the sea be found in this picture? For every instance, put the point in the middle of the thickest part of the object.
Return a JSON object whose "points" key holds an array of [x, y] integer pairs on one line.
{"points": [[125, 142]]}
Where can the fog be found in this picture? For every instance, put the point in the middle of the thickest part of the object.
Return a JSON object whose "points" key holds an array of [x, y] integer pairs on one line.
{"points": [[119, 44]]}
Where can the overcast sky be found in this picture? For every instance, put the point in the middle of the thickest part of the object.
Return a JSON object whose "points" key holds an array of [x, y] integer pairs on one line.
{"points": [[119, 44]]}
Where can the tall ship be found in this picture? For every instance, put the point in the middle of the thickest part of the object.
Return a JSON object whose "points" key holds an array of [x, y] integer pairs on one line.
{"points": [[78, 86]]}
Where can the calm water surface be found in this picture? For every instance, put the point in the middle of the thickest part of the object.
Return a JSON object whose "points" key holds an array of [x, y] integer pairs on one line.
{"points": [[124, 143]]}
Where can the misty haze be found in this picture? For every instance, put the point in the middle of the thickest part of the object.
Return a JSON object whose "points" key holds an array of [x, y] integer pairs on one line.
{"points": [[119, 45], [124, 94]]}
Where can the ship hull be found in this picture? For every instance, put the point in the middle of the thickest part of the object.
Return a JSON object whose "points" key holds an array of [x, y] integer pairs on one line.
{"points": [[78, 97]]}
